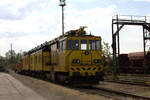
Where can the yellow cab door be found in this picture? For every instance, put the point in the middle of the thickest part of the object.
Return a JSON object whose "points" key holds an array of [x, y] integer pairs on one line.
{"points": [[86, 54]]}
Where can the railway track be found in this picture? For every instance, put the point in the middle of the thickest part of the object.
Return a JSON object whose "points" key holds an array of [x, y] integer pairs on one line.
{"points": [[106, 92], [113, 94], [121, 95], [131, 79], [129, 82]]}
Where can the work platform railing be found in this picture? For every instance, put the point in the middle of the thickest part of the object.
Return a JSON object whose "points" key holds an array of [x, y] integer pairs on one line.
{"points": [[118, 22], [131, 18]]}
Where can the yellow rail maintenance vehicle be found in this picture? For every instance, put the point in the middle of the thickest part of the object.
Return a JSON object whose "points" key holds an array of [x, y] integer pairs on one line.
{"points": [[72, 57]]}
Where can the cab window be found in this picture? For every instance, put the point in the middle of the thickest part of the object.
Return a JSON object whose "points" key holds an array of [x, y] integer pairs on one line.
{"points": [[83, 44], [94, 44], [97, 44], [72, 44], [62, 45]]}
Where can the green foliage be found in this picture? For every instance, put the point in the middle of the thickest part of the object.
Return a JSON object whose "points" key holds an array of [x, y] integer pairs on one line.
{"points": [[106, 50], [2, 61], [10, 58], [106, 58]]}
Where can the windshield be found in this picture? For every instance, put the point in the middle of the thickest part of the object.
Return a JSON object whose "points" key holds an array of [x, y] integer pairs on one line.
{"points": [[83, 44], [72, 44], [94, 44]]}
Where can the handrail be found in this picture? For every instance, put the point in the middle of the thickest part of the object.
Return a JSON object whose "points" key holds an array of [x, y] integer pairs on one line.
{"points": [[132, 18]]}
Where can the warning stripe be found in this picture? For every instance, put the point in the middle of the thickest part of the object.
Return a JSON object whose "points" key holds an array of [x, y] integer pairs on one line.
{"points": [[84, 69]]}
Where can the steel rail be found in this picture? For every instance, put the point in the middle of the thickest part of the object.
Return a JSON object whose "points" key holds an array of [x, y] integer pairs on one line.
{"points": [[129, 82], [120, 94]]}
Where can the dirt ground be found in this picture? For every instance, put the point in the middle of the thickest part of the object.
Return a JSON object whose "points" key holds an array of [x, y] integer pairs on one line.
{"points": [[134, 89], [51, 91], [12, 89], [19, 87]]}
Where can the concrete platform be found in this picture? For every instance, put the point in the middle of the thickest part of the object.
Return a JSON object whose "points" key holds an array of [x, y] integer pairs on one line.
{"points": [[12, 89]]}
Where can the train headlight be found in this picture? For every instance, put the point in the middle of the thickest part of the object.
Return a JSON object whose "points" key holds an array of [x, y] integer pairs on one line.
{"points": [[75, 61], [96, 60], [78, 61]]}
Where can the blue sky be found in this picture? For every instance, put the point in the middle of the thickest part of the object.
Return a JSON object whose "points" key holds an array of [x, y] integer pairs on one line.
{"points": [[28, 23], [123, 6]]}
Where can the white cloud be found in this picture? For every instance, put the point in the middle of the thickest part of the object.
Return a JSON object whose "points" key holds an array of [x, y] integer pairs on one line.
{"points": [[41, 21], [143, 0], [97, 20], [131, 39], [42, 26], [24, 43], [87, 1], [18, 9], [17, 3]]}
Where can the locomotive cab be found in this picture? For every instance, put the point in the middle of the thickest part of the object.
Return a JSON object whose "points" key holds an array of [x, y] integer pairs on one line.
{"points": [[84, 56]]}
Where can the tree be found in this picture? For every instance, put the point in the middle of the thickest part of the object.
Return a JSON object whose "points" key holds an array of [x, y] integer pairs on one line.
{"points": [[106, 50], [2, 62], [11, 59], [106, 58], [10, 54]]}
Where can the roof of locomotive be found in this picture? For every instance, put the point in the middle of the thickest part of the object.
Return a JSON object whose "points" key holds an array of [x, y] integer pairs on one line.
{"points": [[77, 33]]}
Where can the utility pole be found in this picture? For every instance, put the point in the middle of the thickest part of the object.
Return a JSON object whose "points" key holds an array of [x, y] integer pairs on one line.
{"points": [[62, 4]]}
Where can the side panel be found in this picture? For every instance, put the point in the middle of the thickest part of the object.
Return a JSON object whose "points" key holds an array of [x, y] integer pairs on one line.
{"points": [[32, 62], [46, 61], [26, 62], [54, 54], [39, 60], [61, 65], [58, 57], [35, 62]]}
